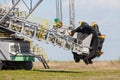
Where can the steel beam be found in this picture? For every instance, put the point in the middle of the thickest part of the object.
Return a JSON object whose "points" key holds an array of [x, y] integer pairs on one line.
{"points": [[9, 11]]}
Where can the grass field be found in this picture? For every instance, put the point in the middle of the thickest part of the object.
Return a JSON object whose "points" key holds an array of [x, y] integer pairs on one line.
{"points": [[66, 71]]}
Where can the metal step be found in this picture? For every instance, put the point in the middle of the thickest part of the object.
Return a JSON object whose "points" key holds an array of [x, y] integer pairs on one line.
{"points": [[42, 59]]}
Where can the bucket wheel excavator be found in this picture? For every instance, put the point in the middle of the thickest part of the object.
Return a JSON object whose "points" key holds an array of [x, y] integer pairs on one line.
{"points": [[17, 31]]}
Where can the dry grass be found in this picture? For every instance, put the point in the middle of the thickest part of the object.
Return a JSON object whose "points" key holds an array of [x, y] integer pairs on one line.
{"points": [[98, 65], [66, 71]]}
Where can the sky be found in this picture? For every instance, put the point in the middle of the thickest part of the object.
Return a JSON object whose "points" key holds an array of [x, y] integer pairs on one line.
{"points": [[105, 12]]}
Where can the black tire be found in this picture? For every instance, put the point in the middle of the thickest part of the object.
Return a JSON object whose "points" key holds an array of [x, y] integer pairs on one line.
{"points": [[16, 65], [28, 65], [1, 64]]}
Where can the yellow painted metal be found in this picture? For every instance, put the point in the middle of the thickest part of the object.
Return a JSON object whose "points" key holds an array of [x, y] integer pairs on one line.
{"points": [[4, 34], [93, 24], [80, 23], [59, 24], [37, 50], [21, 14], [40, 52], [43, 29], [102, 36], [31, 45], [15, 26], [40, 20]]}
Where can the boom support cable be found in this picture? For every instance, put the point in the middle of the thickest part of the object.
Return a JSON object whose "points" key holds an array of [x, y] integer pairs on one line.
{"points": [[59, 9], [72, 13]]}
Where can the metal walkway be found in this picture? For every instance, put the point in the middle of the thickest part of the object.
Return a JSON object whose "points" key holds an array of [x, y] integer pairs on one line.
{"points": [[27, 29]]}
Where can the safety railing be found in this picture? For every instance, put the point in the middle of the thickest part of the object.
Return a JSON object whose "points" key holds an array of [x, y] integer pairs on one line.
{"points": [[42, 32]]}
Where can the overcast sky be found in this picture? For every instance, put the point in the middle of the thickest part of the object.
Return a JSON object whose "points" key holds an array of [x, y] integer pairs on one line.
{"points": [[105, 12]]}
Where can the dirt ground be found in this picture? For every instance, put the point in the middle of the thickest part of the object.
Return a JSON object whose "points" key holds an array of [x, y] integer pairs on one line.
{"points": [[97, 65]]}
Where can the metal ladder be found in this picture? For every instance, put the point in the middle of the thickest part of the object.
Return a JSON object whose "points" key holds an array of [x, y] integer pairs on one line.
{"points": [[39, 53], [42, 59]]}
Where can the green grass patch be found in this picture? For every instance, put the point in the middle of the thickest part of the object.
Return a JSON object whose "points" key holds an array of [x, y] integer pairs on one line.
{"points": [[59, 75]]}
